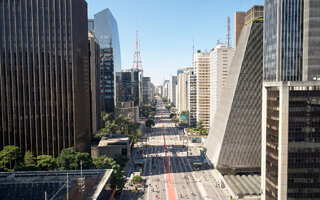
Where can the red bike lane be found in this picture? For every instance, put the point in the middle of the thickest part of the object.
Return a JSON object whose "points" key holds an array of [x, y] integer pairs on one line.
{"points": [[169, 176]]}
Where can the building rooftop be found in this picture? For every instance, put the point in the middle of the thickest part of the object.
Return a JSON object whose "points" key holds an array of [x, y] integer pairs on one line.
{"points": [[105, 141], [53, 184], [241, 186]]}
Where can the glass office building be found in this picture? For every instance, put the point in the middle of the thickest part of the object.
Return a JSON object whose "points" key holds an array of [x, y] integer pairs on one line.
{"points": [[106, 32], [283, 40]]}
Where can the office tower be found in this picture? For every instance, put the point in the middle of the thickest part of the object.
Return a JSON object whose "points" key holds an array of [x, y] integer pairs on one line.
{"points": [[238, 25], [202, 71], [45, 89], [220, 60], [234, 142], [94, 67], [291, 94], [172, 89], [146, 90], [127, 87], [192, 98], [127, 94], [106, 31]]}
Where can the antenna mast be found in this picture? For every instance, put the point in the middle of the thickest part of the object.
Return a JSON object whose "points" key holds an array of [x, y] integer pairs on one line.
{"points": [[228, 32], [137, 63]]}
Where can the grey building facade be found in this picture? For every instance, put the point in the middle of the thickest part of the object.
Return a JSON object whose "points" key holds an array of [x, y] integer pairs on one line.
{"points": [[106, 32], [234, 141], [44, 100]]}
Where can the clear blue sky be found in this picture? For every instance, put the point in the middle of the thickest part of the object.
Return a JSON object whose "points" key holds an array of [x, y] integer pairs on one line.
{"points": [[166, 29]]}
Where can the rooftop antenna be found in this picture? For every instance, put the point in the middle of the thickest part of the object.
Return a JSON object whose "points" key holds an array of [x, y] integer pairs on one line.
{"points": [[228, 33], [137, 63]]}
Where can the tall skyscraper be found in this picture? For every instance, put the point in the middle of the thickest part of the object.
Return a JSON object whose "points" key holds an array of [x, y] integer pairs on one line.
{"points": [[220, 61], [291, 96], [95, 100], [202, 71], [106, 31], [45, 88], [234, 141]]}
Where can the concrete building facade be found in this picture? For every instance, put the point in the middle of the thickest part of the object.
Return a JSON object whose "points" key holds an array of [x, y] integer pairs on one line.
{"points": [[45, 88], [234, 142], [202, 71], [220, 61], [238, 25]]}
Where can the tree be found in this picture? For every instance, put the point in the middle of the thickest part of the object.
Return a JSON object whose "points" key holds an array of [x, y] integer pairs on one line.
{"points": [[150, 123], [184, 113], [174, 120], [10, 157], [67, 159], [168, 106], [172, 115], [136, 179], [165, 99], [29, 158], [85, 159], [199, 126], [46, 162], [104, 162]]}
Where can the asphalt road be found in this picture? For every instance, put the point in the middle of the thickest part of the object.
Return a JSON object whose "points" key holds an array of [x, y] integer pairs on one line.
{"points": [[167, 168]]}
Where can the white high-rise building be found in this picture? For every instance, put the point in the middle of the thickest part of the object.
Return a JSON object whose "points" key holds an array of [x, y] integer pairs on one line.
{"points": [[220, 61], [202, 71], [192, 98], [172, 89]]}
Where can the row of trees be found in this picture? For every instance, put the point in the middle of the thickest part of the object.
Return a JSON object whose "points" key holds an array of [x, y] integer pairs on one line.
{"points": [[122, 125], [11, 159]]}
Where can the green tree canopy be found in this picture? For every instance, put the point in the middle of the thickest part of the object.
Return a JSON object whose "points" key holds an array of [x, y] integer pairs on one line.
{"points": [[29, 158], [150, 123], [104, 162], [67, 159], [174, 120], [136, 179], [46, 162], [9, 157]]}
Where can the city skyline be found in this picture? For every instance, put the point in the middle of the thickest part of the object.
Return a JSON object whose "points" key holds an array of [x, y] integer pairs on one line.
{"points": [[166, 36]]}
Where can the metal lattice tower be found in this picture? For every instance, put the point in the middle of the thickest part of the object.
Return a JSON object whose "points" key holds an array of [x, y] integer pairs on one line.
{"points": [[228, 32], [137, 63]]}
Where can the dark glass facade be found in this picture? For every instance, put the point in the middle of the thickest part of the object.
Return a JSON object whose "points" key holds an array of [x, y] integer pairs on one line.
{"points": [[106, 32], [304, 143], [127, 87], [272, 143], [95, 100], [44, 100], [270, 40], [283, 40]]}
